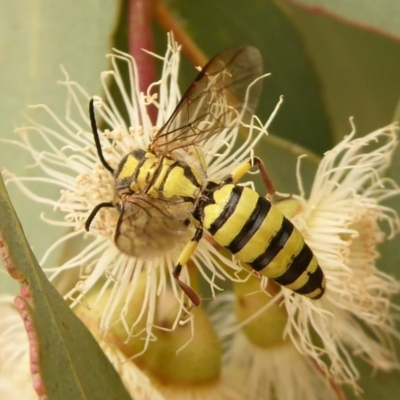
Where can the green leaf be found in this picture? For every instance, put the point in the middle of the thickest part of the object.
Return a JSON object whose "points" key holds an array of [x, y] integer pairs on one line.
{"points": [[302, 118], [379, 15], [397, 113], [375, 385], [281, 158], [357, 66], [71, 363]]}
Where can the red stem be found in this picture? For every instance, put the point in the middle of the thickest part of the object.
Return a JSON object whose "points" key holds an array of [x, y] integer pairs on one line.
{"points": [[140, 36], [189, 47]]}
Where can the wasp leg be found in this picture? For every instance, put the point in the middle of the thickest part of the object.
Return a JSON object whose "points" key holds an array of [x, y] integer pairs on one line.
{"points": [[182, 260], [272, 195], [264, 175], [245, 167]]}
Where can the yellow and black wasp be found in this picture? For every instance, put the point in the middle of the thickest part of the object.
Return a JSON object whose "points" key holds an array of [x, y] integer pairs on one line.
{"points": [[165, 197]]}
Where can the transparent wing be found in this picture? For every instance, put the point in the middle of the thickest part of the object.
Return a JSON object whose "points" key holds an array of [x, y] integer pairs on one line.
{"points": [[213, 101], [150, 227]]}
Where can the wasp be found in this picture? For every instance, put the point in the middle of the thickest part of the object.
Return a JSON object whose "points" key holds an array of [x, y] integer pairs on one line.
{"points": [[165, 197]]}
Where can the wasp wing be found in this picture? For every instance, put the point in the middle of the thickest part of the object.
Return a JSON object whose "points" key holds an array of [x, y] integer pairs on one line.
{"points": [[214, 100], [149, 227]]}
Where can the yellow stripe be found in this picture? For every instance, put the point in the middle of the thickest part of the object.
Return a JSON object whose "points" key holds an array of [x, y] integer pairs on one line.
{"points": [[213, 211], [261, 239], [283, 259], [235, 222], [316, 292]]}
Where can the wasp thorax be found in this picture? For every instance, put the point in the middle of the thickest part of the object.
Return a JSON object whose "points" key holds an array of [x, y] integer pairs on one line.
{"points": [[156, 200], [143, 172]]}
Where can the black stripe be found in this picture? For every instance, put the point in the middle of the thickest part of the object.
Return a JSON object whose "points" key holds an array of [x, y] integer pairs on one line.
{"points": [[314, 282], [251, 226], [228, 210], [170, 168], [187, 171], [158, 172], [139, 154], [297, 267], [276, 244]]}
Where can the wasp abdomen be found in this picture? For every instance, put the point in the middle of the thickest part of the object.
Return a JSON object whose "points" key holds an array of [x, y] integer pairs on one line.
{"points": [[258, 234]]}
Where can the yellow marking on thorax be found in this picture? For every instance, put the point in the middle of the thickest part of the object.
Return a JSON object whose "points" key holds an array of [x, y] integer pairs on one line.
{"points": [[162, 174], [177, 184], [129, 167], [168, 182], [145, 175]]}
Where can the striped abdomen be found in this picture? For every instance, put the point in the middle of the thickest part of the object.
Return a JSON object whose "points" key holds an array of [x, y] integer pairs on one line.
{"points": [[258, 234]]}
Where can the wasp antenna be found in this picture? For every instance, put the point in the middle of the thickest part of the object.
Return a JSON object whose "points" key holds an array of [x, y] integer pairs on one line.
{"points": [[96, 136], [94, 212]]}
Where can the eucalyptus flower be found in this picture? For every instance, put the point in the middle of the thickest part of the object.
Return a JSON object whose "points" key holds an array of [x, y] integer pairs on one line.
{"points": [[344, 220], [130, 304], [15, 374], [259, 362], [68, 159], [125, 297]]}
